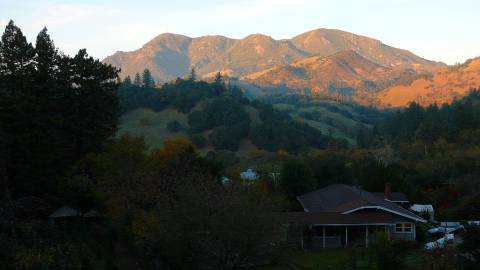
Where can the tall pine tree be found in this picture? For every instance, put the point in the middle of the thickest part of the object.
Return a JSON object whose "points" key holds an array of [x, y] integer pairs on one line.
{"points": [[53, 110], [127, 82], [137, 81], [17, 106], [147, 79]]}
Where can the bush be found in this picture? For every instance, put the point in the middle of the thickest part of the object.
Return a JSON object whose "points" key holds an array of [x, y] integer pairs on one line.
{"points": [[275, 135], [223, 111], [227, 138], [174, 126], [296, 177], [199, 140], [471, 242], [384, 253]]}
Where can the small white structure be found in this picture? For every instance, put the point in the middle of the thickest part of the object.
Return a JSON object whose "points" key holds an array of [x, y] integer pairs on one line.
{"points": [[63, 213], [226, 181], [424, 209], [249, 175]]}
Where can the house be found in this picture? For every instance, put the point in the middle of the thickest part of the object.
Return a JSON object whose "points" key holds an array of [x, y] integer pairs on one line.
{"points": [[63, 214], [342, 215], [395, 197], [424, 210]]}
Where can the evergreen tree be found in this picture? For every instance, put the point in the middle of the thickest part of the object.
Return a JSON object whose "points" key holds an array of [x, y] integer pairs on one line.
{"points": [[127, 82], [218, 78], [17, 58], [147, 79], [53, 110], [296, 177], [93, 105], [137, 81], [46, 57], [193, 75], [17, 105]]}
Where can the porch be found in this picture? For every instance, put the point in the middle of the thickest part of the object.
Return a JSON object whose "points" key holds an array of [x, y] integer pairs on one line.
{"points": [[348, 235]]}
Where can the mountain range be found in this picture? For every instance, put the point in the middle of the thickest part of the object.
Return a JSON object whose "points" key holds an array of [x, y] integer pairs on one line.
{"points": [[322, 62]]}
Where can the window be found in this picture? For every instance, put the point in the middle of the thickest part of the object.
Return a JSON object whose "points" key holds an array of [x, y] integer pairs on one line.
{"points": [[403, 227]]}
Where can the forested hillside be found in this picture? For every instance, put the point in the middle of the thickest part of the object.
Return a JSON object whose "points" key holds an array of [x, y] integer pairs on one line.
{"points": [[80, 190], [75, 196], [217, 116]]}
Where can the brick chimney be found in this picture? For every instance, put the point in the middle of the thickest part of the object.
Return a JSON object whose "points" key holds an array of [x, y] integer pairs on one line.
{"points": [[388, 190]]}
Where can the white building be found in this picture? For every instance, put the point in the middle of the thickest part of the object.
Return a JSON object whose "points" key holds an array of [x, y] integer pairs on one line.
{"points": [[249, 175]]}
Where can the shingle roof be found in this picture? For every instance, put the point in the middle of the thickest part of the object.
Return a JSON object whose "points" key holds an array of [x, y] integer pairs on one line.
{"points": [[345, 199], [65, 211], [92, 214]]}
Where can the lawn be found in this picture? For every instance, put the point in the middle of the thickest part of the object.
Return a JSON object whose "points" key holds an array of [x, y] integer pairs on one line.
{"points": [[338, 258]]}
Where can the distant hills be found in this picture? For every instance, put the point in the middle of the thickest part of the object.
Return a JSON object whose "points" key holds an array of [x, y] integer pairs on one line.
{"points": [[171, 55], [323, 62], [444, 86]]}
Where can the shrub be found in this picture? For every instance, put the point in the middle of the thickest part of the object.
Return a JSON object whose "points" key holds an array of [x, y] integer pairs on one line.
{"points": [[198, 139], [174, 126], [384, 253], [225, 138]]}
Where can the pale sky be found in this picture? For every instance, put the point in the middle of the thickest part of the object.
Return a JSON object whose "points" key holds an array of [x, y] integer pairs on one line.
{"points": [[441, 30]]}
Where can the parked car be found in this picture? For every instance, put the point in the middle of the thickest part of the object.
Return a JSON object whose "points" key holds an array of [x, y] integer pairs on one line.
{"points": [[436, 231], [440, 243]]}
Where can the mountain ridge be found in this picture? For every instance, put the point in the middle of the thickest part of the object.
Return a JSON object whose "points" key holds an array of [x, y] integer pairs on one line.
{"points": [[255, 52]]}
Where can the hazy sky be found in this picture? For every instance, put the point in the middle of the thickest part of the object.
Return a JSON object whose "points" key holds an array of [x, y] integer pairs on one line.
{"points": [[442, 30]]}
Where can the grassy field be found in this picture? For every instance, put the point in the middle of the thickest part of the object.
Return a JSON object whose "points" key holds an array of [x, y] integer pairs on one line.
{"points": [[324, 126], [151, 125], [337, 121]]}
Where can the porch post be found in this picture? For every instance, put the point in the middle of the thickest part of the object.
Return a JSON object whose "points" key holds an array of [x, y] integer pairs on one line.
{"points": [[346, 235], [301, 242], [366, 236], [323, 239]]}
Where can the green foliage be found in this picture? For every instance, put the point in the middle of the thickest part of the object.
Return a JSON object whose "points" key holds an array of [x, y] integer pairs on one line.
{"points": [[432, 261], [217, 228], [181, 94], [471, 242], [296, 177], [384, 252], [274, 136], [147, 80], [137, 81], [193, 75], [433, 122], [152, 126], [198, 139], [53, 109], [225, 138], [223, 111], [174, 126]]}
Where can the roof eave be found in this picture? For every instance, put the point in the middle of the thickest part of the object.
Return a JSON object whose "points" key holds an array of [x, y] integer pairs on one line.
{"points": [[412, 216]]}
